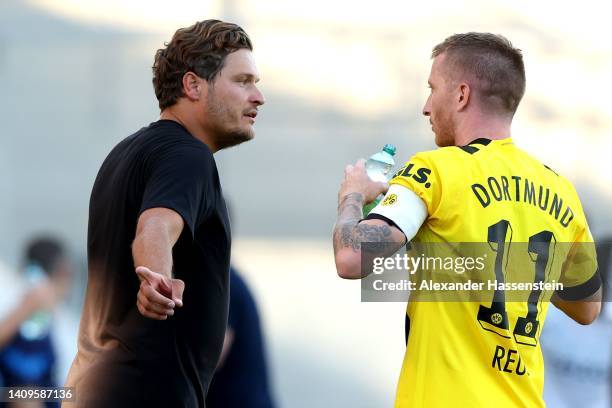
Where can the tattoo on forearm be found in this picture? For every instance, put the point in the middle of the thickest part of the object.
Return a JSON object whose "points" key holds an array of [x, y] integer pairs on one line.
{"points": [[349, 233]]}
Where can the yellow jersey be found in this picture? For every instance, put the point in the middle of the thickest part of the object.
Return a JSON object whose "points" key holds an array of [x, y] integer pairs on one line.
{"points": [[487, 353]]}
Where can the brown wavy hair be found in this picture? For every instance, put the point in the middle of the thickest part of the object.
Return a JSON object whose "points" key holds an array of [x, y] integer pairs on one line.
{"points": [[493, 62], [201, 49]]}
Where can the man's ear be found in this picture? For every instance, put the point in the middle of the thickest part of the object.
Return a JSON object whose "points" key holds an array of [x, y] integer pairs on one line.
{"points": [[194, 87], [463, 96]]}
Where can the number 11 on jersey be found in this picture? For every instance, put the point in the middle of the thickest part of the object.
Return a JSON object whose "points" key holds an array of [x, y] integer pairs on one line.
{"points": [[540, 249]]}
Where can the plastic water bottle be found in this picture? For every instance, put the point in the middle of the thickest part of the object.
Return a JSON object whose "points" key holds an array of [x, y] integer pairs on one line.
{"points": [[38, 324], [379, 167]]}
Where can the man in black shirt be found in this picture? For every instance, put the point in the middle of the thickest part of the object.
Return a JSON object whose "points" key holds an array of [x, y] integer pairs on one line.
{"points": [[159, 238]]}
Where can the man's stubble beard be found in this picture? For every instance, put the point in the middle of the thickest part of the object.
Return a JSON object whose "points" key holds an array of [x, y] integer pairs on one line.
{"points": [[226, 137], [445, 135]]}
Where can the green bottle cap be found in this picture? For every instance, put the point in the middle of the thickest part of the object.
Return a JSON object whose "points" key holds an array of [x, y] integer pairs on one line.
{"points": [[389, 148]]}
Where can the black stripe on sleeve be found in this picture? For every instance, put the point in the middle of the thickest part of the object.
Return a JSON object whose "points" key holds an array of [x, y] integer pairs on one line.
{"points": [[374, 216], [581, 291], [407, 328]]}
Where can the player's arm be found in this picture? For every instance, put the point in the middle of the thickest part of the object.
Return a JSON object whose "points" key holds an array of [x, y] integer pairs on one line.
{"points": [[583, 311], [349, 233], [157, 231], [581, 296]]}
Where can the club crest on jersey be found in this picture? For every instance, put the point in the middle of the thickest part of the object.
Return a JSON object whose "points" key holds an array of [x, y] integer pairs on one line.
{"points": [[419, 175], [390, 199], [496, 318]]}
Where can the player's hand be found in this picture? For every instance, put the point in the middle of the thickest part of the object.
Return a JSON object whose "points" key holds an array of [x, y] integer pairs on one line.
{"points": [[356, 180], [158, 295]]}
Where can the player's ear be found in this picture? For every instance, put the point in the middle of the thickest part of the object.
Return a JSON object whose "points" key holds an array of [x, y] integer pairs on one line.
{"points": [[463, 96], [194, 87]]}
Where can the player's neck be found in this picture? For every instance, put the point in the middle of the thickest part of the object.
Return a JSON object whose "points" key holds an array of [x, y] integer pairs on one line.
{"points": [[476, 128], [189, 121]]}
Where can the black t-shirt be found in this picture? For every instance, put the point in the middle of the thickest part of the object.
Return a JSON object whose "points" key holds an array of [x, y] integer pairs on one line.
{"points": [[125, 359]]}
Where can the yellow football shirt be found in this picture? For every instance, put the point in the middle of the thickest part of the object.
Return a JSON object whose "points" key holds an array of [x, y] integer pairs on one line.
{"points": [[487, 353]]}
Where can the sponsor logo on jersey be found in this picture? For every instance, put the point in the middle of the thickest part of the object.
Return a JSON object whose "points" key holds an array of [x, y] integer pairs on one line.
{"points": [[420, 175]]}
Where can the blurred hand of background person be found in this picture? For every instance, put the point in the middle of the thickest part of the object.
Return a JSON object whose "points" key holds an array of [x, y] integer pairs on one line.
{"points": [[43, 296]]}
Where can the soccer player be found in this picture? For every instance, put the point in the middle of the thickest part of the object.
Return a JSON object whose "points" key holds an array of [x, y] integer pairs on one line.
{"points": [[156, 304], [477, 187]]}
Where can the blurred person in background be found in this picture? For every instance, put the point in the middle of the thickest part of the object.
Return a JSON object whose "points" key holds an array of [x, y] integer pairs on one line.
{"points": [[27, 352], [579, 359], [241, 378], [157, 296]]}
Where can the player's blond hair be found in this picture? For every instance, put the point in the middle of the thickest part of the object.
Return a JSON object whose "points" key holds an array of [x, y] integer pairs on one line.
{"points": [[494, 66]]}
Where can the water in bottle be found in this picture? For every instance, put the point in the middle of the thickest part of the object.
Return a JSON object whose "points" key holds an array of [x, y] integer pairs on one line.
{"points": [[379, 167]]}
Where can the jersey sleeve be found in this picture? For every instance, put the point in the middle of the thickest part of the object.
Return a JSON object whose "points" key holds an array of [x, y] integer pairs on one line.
{"points": [[421, 176], [403, 208], [579, 274], [180, 179]]}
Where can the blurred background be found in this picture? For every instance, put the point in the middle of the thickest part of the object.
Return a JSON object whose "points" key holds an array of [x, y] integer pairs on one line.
{"points": [[341, 79]]}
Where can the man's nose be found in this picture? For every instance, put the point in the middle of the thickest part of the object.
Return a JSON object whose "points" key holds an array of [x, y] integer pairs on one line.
{"points": [[426, 108], [257, 97]]}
